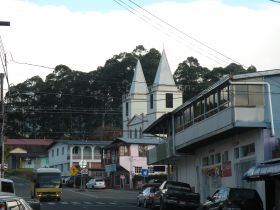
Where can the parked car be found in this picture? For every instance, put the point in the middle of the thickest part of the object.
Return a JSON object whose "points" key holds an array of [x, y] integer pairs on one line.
{"points": [[96, 183], [64, 179], [177, 195], [234, 198], [8, 201], [145, 197]]}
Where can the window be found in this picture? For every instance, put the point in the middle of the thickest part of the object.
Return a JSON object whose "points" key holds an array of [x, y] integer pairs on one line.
{"points": [[217, 158], [7, 187], [140, 133], [52, 152], [169, 100], [97, 153], [62, 152], [236, 153], [151, 169], [135, 133], [247, 150], [159, 168], [130, 133], [76, 150], [142, 150], [224, 98], [57, 152], [248, 95], [205, 161], [151, 101], [212, 159], [126, 109], [225, 156], [137, 170], [123, 151]]}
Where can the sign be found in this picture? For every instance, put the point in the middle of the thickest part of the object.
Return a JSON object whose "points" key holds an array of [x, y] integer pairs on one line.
{"points": [[73, 170], [226, 169], [84, 171], [144, 172], [83, 163], [110, 168]]}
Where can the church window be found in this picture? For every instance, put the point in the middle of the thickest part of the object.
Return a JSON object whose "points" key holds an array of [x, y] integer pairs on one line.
{"points": [[126, 109], [169, 100], [151, 101]]}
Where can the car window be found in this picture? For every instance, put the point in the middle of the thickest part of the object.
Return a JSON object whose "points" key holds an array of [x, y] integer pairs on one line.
{"points": [[99, 180], [7, 187], [242, 194]]}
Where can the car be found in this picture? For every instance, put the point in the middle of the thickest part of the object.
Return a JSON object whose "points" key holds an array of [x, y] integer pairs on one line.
{"points": [[145, 197], [96, 183], [176, 195], [8, 201], [64, 179], [234, 198], [77, 180]]}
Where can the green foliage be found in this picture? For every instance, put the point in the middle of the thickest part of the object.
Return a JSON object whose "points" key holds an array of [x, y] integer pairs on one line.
{"points": [[77, 105]]}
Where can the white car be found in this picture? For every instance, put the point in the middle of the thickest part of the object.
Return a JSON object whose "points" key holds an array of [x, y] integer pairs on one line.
{"points": [[97, 183]]}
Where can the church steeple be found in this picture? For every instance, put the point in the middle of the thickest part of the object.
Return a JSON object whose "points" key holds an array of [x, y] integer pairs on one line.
{"points": [[164, 75], [138, 85]]}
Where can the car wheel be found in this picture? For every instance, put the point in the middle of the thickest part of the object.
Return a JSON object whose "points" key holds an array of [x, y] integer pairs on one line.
{"points": [[163, 206], [138, 202], [145, 204]]}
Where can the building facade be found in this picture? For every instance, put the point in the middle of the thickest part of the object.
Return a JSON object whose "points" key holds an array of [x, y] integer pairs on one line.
{"points": [[126, 157], [65, 154], [217, 136]]}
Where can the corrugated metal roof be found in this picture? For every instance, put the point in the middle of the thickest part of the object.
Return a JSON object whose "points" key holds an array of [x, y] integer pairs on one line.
{"points": [[83, 142], [153, 141], [38, 142]]}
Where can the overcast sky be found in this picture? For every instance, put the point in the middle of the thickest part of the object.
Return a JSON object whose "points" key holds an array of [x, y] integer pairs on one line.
{"points": [[83, 34]]}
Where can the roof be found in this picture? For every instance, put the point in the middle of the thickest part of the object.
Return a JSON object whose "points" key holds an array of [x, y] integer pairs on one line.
{"points": [[82, 142], [164, 75], [47, 170], [35, 142], [138, 84], [262, 171], [146, 141]]}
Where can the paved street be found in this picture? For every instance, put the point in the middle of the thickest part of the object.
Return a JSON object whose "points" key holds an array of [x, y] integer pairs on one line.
{"points": [[89, 199]]}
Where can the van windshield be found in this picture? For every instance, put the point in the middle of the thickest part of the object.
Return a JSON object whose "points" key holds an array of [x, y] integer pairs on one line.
{"points": [[7, 187]]}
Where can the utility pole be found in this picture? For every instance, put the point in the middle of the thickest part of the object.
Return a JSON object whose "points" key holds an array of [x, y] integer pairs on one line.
{"points": [[2, 126], [3, 23]]}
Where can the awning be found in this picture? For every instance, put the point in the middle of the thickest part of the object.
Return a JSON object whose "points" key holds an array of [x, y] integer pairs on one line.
{"points": [[262, 172]]}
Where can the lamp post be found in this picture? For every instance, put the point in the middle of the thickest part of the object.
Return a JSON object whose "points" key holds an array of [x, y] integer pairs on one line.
{"points": [[3, 23]]}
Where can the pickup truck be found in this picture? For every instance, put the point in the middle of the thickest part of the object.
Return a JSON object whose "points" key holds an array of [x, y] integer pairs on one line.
{"points": [[177, 195]]}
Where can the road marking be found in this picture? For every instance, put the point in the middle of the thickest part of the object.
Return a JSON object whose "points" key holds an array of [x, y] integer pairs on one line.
{"points": [[75, 202], [63, 202], [89, 203], [100, 203]]}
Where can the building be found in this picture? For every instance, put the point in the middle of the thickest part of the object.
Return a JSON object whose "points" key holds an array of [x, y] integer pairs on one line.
{"points": [[214, 138], [126, 156], [27, 153], [64, 154]]}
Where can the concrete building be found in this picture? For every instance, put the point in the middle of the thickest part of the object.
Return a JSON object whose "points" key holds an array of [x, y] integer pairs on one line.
{"points": [[213, 139], [64, 154], [126, 156]]}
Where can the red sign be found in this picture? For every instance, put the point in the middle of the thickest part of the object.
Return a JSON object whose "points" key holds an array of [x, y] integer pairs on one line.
{"points": [[226, 169]]}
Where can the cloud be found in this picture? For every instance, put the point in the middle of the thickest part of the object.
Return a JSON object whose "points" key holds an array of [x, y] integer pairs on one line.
{"points": [[53, 35]]}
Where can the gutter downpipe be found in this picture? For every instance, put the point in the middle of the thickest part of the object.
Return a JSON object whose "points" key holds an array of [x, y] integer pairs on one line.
{"points": [[269, 100]]}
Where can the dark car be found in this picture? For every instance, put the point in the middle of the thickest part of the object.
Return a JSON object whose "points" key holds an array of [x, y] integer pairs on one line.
{"points": [[234, 198], [177, 195], [13, 202], [145, 197]]}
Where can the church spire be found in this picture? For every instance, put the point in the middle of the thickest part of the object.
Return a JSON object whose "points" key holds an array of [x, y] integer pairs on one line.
{"points": [[138, 84], [164, 75]]}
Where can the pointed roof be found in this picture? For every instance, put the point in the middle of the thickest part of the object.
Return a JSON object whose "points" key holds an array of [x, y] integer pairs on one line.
{"points": [[164, 75], [138, 84]]}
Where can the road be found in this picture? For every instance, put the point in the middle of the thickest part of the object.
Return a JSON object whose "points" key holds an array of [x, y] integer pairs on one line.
{"points": [[75, 199]]}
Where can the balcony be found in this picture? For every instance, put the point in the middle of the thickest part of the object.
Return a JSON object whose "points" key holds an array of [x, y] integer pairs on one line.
{"points": [[225, 120], [161, 152]]}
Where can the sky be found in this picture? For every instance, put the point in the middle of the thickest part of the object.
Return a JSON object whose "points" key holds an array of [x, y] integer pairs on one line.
{"points": [[83, 34]]}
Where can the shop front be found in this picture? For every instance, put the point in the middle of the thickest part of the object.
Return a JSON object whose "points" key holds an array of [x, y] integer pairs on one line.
{"points": [[269, 172]]}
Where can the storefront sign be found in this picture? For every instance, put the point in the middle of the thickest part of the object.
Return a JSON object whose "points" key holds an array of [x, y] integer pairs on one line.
{"points": [[111, 168], [226, 169]]}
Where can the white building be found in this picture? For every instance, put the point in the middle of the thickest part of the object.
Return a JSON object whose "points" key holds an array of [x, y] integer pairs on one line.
{"points": [[64, 154], [126, 156], [221, 133]]}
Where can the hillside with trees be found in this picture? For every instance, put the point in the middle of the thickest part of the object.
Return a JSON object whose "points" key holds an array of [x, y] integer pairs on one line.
{"points": [[71, 104]]}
